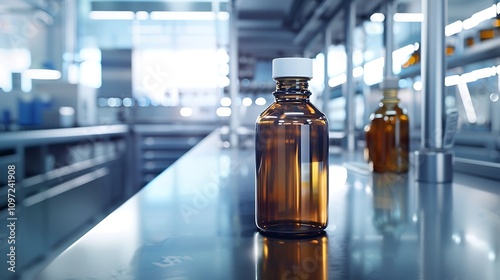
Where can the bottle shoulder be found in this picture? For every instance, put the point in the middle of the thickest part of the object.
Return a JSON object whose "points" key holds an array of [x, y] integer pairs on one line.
{"points": [[285, 112], [283, 109], [389, 114], [391, 109]]}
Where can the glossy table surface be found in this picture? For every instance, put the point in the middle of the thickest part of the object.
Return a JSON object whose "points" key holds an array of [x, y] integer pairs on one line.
{"points": [[196, 221]]}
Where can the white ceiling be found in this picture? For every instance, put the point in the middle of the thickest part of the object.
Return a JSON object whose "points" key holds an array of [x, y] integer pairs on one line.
{"points": [[271, 28]]}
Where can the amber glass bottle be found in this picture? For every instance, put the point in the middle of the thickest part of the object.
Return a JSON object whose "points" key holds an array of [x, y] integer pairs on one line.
{"points": [[414, 59], [491, 31], [387, 135], [291, 156], [469, 41]]}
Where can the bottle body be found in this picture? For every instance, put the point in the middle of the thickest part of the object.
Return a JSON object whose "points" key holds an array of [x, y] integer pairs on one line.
{"points": [[291, 165], [387, 137]]}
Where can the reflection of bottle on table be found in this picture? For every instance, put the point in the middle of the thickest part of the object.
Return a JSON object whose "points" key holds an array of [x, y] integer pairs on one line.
{"points": [[390, 202], [291, 258]]}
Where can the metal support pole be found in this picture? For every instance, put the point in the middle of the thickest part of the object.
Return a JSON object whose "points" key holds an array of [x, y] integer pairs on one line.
{"points": [[326, 90], [433, 163], [389, 38], [70, 38], [350, 24], [233, 74], [495, 112]]}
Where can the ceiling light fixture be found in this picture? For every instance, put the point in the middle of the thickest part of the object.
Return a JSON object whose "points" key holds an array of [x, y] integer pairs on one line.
{"points": [[142, 15], [408, 17], [479, 17], [162, 15], [377, 17], [453, 28], [112, 15], [43, 74], [470, 112]]}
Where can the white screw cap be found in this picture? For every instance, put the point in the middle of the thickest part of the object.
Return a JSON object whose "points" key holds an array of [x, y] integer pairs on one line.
{"points": [[292, 67]]}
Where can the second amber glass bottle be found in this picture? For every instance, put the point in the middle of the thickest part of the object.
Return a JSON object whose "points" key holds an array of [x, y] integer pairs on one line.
{"points": [[387, 135], [291, 156]]}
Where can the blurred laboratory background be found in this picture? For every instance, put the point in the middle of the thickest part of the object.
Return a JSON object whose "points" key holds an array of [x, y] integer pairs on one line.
{"points": [[98, 97]]}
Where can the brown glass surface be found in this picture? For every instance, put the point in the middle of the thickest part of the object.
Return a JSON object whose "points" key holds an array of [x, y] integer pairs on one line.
{"points": [[292, 167], [387, 139]]}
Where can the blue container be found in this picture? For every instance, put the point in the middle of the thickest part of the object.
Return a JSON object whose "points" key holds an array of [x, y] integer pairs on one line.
{"points": [[6, 119], [25, 112]]}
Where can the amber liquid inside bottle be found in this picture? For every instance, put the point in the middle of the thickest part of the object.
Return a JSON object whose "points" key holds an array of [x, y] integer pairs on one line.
{"points": [[387, 136], [292, 163]]}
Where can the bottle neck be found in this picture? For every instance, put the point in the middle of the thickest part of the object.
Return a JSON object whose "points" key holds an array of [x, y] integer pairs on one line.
{"points": [[292, 89], [390, 96]]}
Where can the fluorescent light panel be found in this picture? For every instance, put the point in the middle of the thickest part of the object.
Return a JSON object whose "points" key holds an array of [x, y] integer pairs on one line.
{"points": [[43, 74], [453, 28], [377, 17], [162, 15], [260, 101], [247, 101], [225, 101], [142, 15], [479, 17], [470, 112], [357, 72], [337, 80], [408, 17], [112, 15], [223, 111], [398, 17], [186, 111], [157, 15]]}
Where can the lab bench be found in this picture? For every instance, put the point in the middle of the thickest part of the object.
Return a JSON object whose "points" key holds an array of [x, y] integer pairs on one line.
{"points": [[62, 180], [195, 220]]}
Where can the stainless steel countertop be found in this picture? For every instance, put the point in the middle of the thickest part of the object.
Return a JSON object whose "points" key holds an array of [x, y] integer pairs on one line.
{"points": [[196, 221], [58, 135]]}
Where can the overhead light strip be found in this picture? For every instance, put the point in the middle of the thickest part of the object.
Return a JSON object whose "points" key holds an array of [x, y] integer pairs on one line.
{"points": [[112, 15], [162, 15], [157, 15], [452, 28], [470, 112], [43, 74], [408, 17]]}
